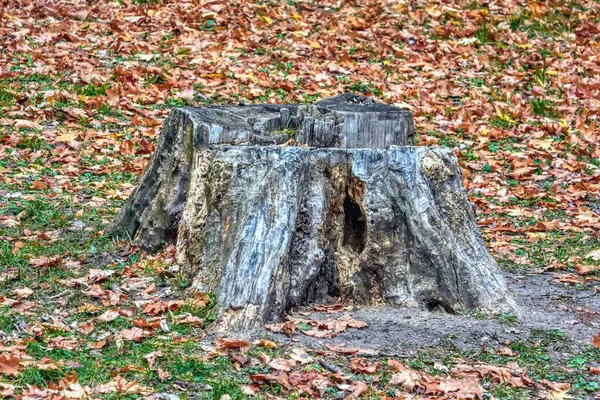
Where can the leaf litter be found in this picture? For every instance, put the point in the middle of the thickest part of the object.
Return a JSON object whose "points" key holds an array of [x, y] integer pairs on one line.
{"points": [[511, 87]]}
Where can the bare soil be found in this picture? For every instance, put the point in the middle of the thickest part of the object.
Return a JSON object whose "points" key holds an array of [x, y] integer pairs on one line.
{"points": [[545, 305]]}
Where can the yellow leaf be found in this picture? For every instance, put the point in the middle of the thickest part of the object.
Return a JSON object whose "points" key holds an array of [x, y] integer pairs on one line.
{"points": [[558, 395], [66, 137], [297, 17], [267, 344], [266, 19], [433, 10]]}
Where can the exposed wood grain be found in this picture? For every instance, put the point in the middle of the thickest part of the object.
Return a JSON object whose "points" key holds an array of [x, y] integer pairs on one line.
{"points": [[360, 213]]}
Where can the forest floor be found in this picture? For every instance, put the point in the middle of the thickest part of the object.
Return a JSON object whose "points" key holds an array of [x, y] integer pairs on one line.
{"points": [[512, 86]]}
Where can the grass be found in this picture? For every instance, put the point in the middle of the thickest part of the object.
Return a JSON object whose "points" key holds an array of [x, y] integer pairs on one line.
{"points": [[543, 108]]}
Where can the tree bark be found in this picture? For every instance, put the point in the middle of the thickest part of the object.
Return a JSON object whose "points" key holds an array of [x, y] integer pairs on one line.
{"points": [[359, 213]]}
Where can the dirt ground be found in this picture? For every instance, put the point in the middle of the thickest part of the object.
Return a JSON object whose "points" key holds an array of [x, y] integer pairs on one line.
{"points": [[545, 305]]}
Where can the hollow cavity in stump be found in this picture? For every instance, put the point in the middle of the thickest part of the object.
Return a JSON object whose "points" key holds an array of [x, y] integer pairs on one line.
{"points": [[359, 212]]}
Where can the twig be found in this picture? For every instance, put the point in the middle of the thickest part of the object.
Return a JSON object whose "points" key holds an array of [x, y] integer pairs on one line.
{"points": [[59, 295], [328, 367]]}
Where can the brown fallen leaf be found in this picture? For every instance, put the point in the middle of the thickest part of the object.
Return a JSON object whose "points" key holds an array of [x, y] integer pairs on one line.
{"points": [[95, 291], [163, 375], [151, 357], [331, 308], [585, 269], [341, 348], [127, 368], [190, 319], [142, 323], [232, 344], [9, 364], [99, 275], [318, 333], [46, 364], [358, 388], [122, 386], [200, 300], [25, 124], [361, 365], [279, 364], [7, 390], [38, 185], [596, 341], [467, 388], [108, 315], [44, 261], [22, 293], [162, 306], [352, 323], [134, 334], [300, 356], [88, 327]]}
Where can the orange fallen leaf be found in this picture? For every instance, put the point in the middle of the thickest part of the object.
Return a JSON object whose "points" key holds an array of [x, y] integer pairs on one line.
{"points": [[38, 185], [162, 306], [359, 364], [9, 364], [596, 341], [142, 323], [231, 344], [267, 344]]}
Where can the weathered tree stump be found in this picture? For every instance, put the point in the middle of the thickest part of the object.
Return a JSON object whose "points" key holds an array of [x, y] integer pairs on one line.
{"points": [[358, 213]]}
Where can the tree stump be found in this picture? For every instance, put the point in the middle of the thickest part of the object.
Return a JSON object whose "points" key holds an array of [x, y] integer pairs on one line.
{"points": [[359, 212]]}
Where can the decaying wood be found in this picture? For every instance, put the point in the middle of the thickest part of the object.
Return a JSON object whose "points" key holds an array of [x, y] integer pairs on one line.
{"points": [[358, 213]]}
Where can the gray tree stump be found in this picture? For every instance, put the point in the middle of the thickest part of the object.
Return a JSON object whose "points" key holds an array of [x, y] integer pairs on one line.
{"points": [[358, 213]]}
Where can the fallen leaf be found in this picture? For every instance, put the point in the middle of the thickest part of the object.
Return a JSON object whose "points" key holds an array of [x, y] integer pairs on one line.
{"points": [[267, 344], [38, 185], [162, 306], [22, 293], [151, 357], [358, 388], [108, 315], [279, 364], [360, 365], [134, 334], [594, 255], [66, 137], [232, 344], [44, 261], [9, 364], [301, 356], [25, 124]]}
